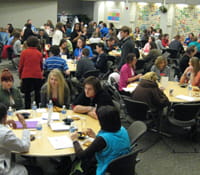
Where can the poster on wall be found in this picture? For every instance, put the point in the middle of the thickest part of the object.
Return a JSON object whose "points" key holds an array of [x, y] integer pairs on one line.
{"points": [[114, 15]]}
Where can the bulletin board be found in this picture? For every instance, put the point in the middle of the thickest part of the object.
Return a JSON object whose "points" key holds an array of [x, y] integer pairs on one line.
{"points": [[147, 16], [114, 15], [187, 20]]}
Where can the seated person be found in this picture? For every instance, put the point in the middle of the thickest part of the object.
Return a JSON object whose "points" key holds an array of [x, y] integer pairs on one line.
{"points": [[110, 44], [111, 141], [91, 98], [9, 95], [10, 143], [55, 89], [194, 42], [190, 52], [160, 67], [66, 47], [55, 62], [165, 40], [149, 45], [84, 64], [127, 72], [176, 44], [43, 36], [189, 38], [16, 43], [191, 71], [81, 43], [101, 60], [148, 92]]}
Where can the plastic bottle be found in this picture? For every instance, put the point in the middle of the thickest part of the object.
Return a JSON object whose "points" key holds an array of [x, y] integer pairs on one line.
{"points": [[10, 111], [50, 111], [64, 111], [34, 108], [189, 90], [39, 130], [176, 78]]}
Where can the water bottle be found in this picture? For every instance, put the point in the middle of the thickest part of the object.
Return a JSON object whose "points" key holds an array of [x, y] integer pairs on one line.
{"points": [[10, 111], [190, 90], [176, 78], [39, 130], [50, 111], [72, 128], [34, 108], [64, 111]]}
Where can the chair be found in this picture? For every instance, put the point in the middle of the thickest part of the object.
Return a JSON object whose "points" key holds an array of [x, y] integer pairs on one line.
{"points": [[174, 55], [91, 73], [123, 165], [11, 56], [135, 131]]}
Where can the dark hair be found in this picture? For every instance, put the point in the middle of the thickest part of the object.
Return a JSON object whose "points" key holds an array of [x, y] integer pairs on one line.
{"points": [[109, 118], [28, 25], [153, 45], [165, 35], [85, 52], [62, 41], [59, 26], [130, 57], [111, 39], [6, 75], [32, 41], [125, 29], [177, 37], [104, 25], [10, 28], [83, 40], [101, 45], [95, 82], [41, 30], [55, 50], [190, 50], [3, 111]]}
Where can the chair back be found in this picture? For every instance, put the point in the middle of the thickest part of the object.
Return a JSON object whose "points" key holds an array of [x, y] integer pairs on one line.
{"points": [[136, 109], [123, 165], [136, 131], [186, 112], [91, 73], [173, 53], [10, 53]]}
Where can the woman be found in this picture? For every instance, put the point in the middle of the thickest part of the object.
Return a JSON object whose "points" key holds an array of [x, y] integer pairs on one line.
{"points": [[27, 32], [66, 47], [165, 40], [9, 95], [148, 92], [80, 45], [191, 72], [9, 143], [127, 72], [30, 71], [76, 34], [16, 43], [149, 45], [58, 34], [190, 52], [55, 89], [160, 67], [111, 141]]}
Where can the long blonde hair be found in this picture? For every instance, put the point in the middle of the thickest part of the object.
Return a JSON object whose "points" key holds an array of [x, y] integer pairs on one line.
{"points": [[62, 85]]}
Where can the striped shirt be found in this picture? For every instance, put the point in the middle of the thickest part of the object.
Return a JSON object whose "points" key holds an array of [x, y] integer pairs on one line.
{"points": [[55, 62]]}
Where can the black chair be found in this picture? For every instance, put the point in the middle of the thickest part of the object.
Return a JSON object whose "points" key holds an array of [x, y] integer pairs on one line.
{"points": [[11, 57], [91, 73], [123, 165], [135, 131], [174, 56]]}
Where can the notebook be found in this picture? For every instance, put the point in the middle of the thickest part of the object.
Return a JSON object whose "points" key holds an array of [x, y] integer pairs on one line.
{"points": [[58, 126], [30, 124]]}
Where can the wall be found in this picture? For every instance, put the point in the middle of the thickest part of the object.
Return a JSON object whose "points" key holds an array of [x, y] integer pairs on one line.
{"points": [[17, 12]]}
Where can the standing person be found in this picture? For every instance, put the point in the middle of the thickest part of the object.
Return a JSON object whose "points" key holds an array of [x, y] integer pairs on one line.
{"points": [[55, 89], [9, 142], [58, 34], [30, 71], [127, 72], [9, 95], [76, 34], [112, 140], [27, 32], [127, 45]]}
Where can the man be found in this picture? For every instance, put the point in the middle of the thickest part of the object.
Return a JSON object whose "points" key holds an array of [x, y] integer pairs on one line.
{"points": [[127, 45], [54, 61], [91, 98]]}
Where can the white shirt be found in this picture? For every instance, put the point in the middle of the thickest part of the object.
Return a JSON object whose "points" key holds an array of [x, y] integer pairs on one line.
{"points": [[57, 36]]}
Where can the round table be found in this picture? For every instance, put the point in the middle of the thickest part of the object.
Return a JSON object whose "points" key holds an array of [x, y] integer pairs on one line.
{"points": [[42, 147]]}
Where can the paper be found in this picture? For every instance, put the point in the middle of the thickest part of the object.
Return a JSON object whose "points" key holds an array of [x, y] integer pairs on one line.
{"points": [[130, 88], [54, 116], [61, 142], [187, 98], [41, 110], [29, 124], [59, 126]]}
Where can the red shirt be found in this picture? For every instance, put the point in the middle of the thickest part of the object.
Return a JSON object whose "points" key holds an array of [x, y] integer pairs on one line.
{"points": [[165, 42], [30, 65]]}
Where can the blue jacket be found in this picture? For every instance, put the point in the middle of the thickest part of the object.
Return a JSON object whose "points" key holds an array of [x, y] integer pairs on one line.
{"points": [[78, 51]]}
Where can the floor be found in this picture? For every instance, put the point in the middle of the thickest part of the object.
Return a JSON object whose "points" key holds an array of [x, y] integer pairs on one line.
{"points": [[157, 159]]}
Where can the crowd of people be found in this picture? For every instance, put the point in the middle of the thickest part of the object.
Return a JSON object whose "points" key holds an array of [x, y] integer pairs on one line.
{"points": [[44, 71]]}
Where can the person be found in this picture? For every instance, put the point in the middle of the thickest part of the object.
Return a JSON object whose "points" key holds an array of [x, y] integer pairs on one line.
{"points": [[189, 38], [127, 72], [104, 31], [66, 47], [10, 143], [165, 40], [43, 36], [58, 34], [176, 44], [148, 92], [91, 98], [9, 95], [101, 59], [112, 140], [96, 33], [159, 43], [30, 71], [194, 42], [55, 61], [55, 89], [84, 64], [160, 67], [27, 32], [191, 71], [150, 45], [127, 45], [76, 34], [16, 43], [110, 44], [81, 43], [190, 52]]}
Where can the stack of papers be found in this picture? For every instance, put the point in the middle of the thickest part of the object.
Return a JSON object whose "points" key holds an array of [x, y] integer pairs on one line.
{"points": [[61, 142], [184, 97], [59, 126], [131, 88], [54, 116]]}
